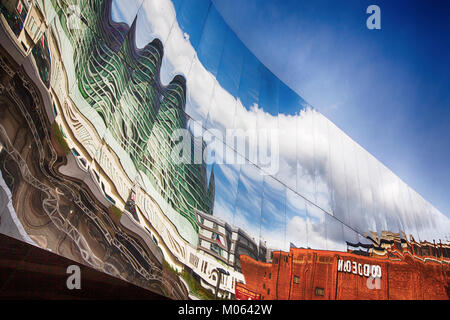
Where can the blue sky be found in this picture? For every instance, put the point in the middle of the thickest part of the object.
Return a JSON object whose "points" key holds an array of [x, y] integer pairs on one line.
{"points": [[388, 89]]}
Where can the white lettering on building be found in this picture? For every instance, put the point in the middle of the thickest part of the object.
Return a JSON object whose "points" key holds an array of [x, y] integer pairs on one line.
{"points": [[366, 270], [340, 265]]}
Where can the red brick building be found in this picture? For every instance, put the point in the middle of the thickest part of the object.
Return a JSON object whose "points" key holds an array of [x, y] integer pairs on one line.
{"points": [[400, 273]]}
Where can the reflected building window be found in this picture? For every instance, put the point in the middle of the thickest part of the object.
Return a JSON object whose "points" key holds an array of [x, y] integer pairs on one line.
{"points": [[216, 249], [319, 292]]}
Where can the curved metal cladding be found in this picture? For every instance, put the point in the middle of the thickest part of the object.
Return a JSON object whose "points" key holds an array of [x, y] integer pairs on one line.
{"points": [[121, 82], [183, 185], [310, 214], [328, 189]]}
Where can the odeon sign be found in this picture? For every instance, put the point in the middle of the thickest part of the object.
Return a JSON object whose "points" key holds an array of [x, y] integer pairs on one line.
{"points": [[366, 270]]}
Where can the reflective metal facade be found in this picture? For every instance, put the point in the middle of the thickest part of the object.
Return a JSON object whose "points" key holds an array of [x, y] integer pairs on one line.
{"points": [[125, 75], [121, 82]]}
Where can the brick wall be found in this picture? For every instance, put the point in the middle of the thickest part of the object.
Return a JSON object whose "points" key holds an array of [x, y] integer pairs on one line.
{"points": [[313, 274]]}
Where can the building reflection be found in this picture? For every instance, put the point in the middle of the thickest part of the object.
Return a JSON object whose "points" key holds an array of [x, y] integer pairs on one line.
{"points": [[392, 267]]}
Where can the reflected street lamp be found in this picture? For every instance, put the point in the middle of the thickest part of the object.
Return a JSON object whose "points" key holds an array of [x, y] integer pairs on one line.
{"points": [[220, 271]]}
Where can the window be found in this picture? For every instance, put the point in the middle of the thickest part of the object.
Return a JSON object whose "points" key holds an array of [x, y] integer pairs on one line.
{"points": [[286, 259], [275, 261], [320, 291], [215, 247], [268, 291], [83, 162], [75, 152], [193, 260], [110, 199], [264, 285], [296, 279], [270, 275], [33, 26], [204, 266]]}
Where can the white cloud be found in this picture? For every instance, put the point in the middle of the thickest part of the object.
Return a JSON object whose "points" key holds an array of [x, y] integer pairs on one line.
{"points": [[125, 10]]}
